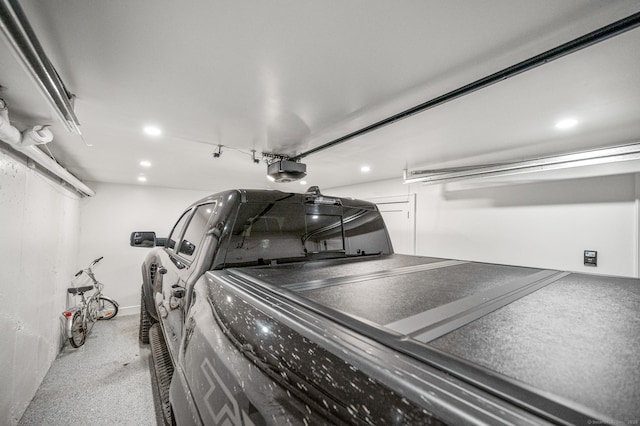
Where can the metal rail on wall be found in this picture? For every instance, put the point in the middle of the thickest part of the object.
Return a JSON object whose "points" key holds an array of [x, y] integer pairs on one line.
{"points": [[577, 159]]}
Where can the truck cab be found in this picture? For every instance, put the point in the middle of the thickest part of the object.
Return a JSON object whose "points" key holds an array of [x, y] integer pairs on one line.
{"points": [[267, 307]]}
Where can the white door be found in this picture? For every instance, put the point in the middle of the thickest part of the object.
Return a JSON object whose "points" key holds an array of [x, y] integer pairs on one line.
{"points": [[399, 216]]}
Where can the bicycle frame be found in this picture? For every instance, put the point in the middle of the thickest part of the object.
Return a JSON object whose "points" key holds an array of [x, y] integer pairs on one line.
{"points": [[90, 309], [84, 308]]}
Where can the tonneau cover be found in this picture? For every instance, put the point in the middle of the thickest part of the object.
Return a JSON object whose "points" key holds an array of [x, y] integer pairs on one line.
{"points": [[574, 338]]}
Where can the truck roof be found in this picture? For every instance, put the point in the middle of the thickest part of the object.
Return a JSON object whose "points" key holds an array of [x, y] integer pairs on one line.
{"points": [[273, 195]]}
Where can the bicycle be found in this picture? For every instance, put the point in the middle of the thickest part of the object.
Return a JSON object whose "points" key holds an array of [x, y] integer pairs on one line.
{"points": [[81, 318]]}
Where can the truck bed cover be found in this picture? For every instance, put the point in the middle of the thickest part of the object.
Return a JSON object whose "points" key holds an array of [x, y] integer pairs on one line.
{"points": [[572, 338]]}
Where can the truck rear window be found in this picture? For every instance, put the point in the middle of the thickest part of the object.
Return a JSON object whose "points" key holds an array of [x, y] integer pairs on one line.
{"points": [[266, 232]]}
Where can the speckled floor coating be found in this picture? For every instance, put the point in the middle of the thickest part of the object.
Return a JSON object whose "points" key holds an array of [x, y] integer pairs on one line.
{"points": [[106, 381]]}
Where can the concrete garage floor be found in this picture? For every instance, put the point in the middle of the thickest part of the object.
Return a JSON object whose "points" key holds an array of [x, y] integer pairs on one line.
{"points": [[106, 381]]}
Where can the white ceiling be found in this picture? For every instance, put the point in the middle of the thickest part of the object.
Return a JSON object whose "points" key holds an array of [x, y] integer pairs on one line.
{"points": [[287, 76]]}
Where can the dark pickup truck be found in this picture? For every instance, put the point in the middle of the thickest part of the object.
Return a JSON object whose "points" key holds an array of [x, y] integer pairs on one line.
{"points": [[266, 307]]}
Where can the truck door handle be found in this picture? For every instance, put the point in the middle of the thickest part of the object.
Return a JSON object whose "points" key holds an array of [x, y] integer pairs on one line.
{"points": [[162, 270]]}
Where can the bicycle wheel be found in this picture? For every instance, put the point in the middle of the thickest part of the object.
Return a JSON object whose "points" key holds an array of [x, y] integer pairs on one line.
{"points": [[78, 332], [106, 308]]}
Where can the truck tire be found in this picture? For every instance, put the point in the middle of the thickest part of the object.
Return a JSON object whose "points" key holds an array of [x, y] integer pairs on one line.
{"points": [[145, 321]]}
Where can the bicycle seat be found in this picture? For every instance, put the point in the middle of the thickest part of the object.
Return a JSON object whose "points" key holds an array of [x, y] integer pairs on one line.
{"points": [[79, 290]]}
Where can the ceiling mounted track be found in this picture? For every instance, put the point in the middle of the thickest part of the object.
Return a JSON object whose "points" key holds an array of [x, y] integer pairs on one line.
{"points": [[601, 34], [27, 48]]}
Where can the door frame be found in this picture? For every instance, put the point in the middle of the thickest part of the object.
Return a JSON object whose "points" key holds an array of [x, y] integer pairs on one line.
{"points": [[408, 200]]}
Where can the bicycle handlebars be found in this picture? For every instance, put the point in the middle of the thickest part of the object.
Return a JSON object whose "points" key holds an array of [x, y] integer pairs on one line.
{"points": [[96, 261], [92, 264]]}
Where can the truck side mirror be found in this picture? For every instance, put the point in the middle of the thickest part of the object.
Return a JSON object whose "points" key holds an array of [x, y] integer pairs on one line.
{"points": [[143, 239]]}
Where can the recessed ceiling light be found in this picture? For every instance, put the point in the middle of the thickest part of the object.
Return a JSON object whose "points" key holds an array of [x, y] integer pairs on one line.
{"points": [[152, 131], [142, 178], [145, 163], [566, 123], [365, 169]]}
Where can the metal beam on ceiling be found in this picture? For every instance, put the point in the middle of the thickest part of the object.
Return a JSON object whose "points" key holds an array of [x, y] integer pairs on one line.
{"points": [[616, 28]]}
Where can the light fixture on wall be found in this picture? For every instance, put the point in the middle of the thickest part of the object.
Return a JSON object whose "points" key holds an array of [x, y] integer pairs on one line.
{"points": [[27, 49]]}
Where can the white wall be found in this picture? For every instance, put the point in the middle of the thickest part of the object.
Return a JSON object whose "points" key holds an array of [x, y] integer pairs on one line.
{"points": [[49, 233], [545, 224], [39, 235], [106, 221]]}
